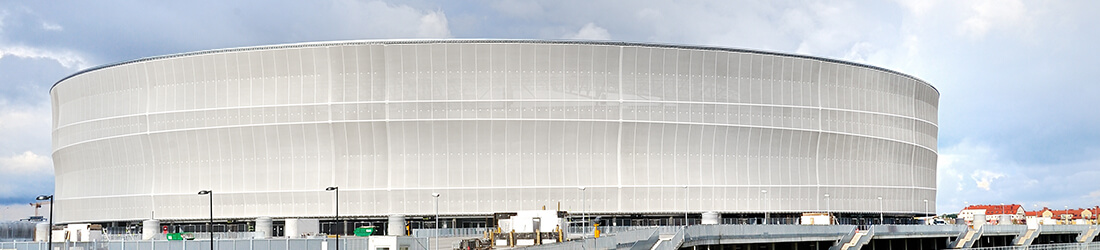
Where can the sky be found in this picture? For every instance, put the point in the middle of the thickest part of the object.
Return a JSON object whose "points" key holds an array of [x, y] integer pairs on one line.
{"points": [[1019, 117]]}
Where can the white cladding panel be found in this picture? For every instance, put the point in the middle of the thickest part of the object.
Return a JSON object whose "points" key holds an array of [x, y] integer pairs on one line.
{"points": [[492, 126]]}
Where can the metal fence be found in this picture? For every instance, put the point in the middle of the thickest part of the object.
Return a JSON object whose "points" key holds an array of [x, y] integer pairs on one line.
{"points": [[449, 232], [883, 231], [1066, 246], [16, 231], [619, 229], [250, 244], [198, 236], [621, 240]]}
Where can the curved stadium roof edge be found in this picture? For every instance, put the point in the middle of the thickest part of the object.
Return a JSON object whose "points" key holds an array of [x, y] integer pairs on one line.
{"points": [[426, 41]]}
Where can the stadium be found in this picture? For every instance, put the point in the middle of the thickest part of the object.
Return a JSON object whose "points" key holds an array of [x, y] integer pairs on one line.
{"points": [[637, 133]]}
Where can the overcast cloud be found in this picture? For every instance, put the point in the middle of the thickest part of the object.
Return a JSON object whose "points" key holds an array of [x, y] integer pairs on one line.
{"points": [[1018, 118]]}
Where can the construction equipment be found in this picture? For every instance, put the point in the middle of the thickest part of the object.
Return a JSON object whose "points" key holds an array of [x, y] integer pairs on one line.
{"points": [[38, 205]]}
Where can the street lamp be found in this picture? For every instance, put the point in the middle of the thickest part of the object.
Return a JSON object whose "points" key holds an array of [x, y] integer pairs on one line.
{"points": [[880, 212], [766, 203], [210, 225], [827, 209], [49, 234], [926, 208], [437, 231], [584, 218], [687, 203], [1065, 214], [337, 218]]}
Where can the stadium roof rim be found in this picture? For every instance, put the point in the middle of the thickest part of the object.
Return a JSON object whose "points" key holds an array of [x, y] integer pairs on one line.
{"points": [[532, 41]]}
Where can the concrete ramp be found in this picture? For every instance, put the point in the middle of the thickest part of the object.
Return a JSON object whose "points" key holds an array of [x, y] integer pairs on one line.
{"points": [[1088, 235], [854, 240], [967, 239], [1027, 237]]}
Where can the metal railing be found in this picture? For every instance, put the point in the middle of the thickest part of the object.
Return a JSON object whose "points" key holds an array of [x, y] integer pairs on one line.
{"points": [[1065, 246], [628, 239], [198, 236], [250, 244], [449, 232], [620, 240], [926, 230], [1004, 229], [618, 229]]}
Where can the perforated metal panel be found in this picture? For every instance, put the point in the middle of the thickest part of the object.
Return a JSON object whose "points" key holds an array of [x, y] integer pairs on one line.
{"points": [[492, 125]]}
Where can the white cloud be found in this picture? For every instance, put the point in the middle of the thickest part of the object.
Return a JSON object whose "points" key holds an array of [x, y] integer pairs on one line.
{"points": [[519, 8], [24, 169], [980, 173], [26, 163], [918, 7], [649, 13], [590, 32], [67, 58], [946, 165], [434, 25], [984, 178], [383, 20], [990, 14], [52, 26], [860, 52], [3, 15], [26, 130]]}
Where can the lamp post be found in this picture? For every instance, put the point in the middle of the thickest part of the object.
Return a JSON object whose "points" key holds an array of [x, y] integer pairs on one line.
{"points": [[926, 208], [584, 218], [210, 225], [687, 203], [49, 234], [880, 212], [337, 217], [436, 195], [765, 193]]}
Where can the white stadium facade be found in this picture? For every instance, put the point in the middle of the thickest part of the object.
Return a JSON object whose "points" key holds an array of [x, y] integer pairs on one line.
{"points": [[650, 131]]}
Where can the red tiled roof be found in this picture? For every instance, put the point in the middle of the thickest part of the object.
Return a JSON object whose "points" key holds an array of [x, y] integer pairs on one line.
{"points": [[1056, 214], [997, 209], [1073, 213]]}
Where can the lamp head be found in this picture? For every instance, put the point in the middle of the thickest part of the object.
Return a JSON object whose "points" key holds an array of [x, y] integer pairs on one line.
{"points": [[436, 195], [826, 195], [764, 191], [581, 188], [880, 197], [332, 188], [44, 197], [205, 192]]}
